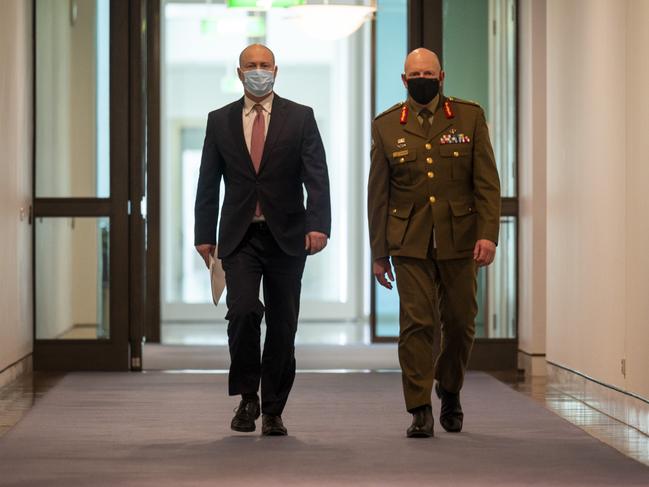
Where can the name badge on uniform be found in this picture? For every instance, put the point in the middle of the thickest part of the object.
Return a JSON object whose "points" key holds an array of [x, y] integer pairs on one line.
{"points": [[400, 153]]}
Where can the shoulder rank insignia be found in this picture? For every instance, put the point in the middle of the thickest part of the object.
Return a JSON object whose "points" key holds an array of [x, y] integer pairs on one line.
{"points": [[389, 110], [466, 102], [448, 110], [403, 119]]}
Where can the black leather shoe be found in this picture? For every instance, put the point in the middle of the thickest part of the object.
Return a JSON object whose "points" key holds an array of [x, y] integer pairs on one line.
{"points": [[422, 423], [245, 416], [272, 426], [451, 415]]}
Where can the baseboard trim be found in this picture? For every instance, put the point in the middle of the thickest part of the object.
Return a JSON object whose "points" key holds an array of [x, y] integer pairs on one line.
{"points": [[530, 354], [16, 369], [533, 364], [624, 406]]}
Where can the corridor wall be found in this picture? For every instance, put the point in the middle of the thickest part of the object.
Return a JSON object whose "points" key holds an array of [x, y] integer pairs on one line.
{"points": [[15, 185], [597, 208]]}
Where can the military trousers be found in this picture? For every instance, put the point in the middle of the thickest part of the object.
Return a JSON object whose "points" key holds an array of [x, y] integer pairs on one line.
{"points": [[434, 296]]}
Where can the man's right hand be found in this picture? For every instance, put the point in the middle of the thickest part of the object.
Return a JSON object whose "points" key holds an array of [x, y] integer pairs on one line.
{"points": [[206, 250], [380, 268]]}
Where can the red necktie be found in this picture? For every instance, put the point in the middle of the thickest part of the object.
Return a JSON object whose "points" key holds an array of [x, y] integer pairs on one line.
{"points": [[257, 143]]}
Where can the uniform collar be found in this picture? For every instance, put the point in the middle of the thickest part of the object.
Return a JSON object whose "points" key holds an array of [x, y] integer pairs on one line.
{"points": [[266, 104], [417, 107]]}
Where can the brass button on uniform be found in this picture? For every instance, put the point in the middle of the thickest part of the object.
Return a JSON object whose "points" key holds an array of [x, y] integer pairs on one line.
{"points": [[429, 147], [402, 160], [432, 199], [429, 160], [456, 154], [430, 174], [394, 211]]}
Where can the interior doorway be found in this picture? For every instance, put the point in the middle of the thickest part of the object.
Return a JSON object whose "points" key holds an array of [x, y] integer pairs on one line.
{"points": [[200, 46]]}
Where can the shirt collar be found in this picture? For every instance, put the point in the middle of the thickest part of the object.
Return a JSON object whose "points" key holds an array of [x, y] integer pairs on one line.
{"points": [[266, 104], [417, 107]]}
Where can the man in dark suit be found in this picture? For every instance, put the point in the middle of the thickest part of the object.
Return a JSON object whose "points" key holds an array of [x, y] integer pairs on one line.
{"points": [[266, 148]]}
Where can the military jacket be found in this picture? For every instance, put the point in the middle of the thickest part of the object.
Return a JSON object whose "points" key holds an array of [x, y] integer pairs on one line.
{"points": [[444, 179]]}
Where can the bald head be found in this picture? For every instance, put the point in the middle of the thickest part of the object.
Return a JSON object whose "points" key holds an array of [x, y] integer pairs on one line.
{"points": [[257, 56], [422, 62]]}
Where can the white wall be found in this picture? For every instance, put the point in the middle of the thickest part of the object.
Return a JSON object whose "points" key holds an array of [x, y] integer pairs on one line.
{"points": [[532, 181], [637, 202], [597, 209], [15, 180]]}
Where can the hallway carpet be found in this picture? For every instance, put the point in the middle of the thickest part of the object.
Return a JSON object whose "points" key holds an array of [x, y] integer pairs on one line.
{"points": [[163, 429], [309, 357]]}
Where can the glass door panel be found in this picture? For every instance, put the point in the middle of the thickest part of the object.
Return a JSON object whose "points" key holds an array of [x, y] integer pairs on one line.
{"points": [[479, 39], [200, 49], [479, 45], [73, 286], [72, 91], [81, 185]]}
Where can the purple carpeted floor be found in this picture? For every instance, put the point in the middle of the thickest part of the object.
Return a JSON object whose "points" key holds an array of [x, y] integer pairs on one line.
{"points": [[158, 429]]}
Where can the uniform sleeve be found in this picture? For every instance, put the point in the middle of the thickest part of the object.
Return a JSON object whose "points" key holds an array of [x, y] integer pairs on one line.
{"points": [[316, 178], [378, 196], [206, 208], [486, 183]]}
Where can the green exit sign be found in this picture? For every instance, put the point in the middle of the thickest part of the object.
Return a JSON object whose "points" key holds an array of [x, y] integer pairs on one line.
{"points": [[263, 3]]}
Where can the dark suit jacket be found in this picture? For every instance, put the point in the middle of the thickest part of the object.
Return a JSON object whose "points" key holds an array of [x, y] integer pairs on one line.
{"points": [[293, 156]]}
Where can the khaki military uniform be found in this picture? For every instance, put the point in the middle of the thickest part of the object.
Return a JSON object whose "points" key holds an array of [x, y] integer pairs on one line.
{"points": [[431, 195]]}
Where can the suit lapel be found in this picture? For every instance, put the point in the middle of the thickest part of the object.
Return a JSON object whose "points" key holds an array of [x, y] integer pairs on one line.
{"points": [[277, 119], [440, 122], [412, 124], [239, 140]]}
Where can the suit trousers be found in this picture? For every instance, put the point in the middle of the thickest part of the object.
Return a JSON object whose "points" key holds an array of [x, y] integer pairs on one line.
{"points": [[434, 294], [259, 256]]}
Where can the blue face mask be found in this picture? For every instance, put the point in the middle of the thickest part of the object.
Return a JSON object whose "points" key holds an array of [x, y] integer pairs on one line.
{"points": [[259, 82]]}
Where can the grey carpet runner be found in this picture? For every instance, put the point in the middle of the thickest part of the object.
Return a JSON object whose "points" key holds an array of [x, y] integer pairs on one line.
{"points": [[162, 429]]}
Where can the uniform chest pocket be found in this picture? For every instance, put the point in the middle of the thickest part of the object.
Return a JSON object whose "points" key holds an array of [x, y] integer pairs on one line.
{"points": [[459, 157], [403, 156], [401, 166]]}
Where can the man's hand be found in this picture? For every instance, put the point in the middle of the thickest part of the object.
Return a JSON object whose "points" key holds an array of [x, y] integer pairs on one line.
{"points": [[206, 250], [314, 242], [484, 252], [380, 268]]}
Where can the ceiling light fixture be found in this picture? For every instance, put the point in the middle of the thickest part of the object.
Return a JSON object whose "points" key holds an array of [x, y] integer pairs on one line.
{"points": [[327, 21]]}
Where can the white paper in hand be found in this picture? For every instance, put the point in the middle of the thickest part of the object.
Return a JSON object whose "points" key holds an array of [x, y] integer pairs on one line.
{"points": [[217, 278]]}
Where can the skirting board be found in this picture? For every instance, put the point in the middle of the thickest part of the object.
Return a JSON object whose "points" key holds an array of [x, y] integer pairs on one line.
{"points": [[627, 408], [15, 370], [534, 365]]}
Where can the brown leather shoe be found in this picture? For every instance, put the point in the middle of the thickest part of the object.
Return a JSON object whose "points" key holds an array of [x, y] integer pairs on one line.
{"points": [[272, 426], [245, 416], [451, 416], [422, 423]]}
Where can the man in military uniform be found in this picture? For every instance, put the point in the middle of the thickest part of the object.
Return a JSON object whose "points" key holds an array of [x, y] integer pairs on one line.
{"points": [[434, 208]]}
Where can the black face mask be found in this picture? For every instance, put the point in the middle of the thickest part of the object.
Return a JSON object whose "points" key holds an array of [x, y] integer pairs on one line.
{"points": [[423, 90]]}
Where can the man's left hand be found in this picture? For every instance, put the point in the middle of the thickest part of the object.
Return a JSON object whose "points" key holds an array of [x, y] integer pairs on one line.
{"points": [[314, 242], [484, 252]]}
